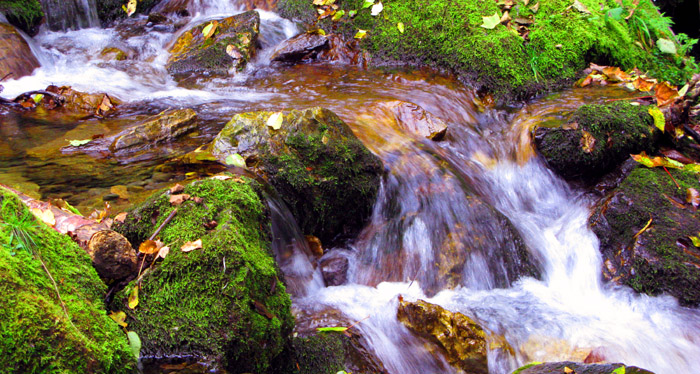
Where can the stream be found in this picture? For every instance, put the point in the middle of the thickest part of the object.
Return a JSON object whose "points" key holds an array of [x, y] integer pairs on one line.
{"points": [[436, 198]]}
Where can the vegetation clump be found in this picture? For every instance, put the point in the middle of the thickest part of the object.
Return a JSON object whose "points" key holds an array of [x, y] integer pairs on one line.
{"points": [[25, 14], [40, 331]]}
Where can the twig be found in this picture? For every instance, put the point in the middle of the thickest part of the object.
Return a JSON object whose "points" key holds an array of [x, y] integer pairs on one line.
{"points": [[674, 181], [55, 287], [630, 98], [167, 219], [5, 77]]}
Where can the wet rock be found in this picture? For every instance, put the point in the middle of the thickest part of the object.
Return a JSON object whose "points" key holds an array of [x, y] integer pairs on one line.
{"points": [[335, 270], [324, 174], [539, 348], [112, 256], [303, 47], [179, 7], [16, 58], [33, 322], [156, 18], [228, 50], [462, 340], [79, 102], [225, 301], [166, 126], [344, 51], [113, 53], [580, 368], [415, 119], [659, 258], [597, 139]]}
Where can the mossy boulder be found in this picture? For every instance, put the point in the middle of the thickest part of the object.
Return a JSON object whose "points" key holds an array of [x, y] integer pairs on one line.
{"points": [[17, 58], [659, 258], [224, 302], [326, 176], [36, 336], [597, 139], [578, 368], [555, 40], [228, 49]]}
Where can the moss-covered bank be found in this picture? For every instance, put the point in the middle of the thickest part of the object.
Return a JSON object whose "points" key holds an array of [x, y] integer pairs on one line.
{"points": [[661, 258], [25, 14], [226, 301], [35, 334], [561, 41]]}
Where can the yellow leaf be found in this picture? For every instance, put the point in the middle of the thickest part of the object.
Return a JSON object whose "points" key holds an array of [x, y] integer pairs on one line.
{"points": [[191, 246], [491, 22], [119, 318], [45, 215], [134, 298], [130, 8], [275, 120], [587, 141], [568, 370], [659, 120], [360, 34], [695, 240], [643, 228], [148, 247], [400, 27], [210, 29]]}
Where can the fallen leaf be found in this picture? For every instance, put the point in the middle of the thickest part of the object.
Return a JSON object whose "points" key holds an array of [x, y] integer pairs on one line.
{"points": [[37, 98], [179, 198], [678, 203], [262, 309], [209, 30], [233, 52], [360, 34], [643, 228], [191, 246], [331, 329], [620, 370], [130, 8], [677, 156], [163, 251], [684, 90], [119, 318], [491, 22], [197, 200], [665, 93], [134, 298], [148, 247], [692, 196], [367, 3], [568, 370], [120, 191], [580, 7], [400, 26], [338, 15], [211, 225], [134, 343], [695, 240], [352, 13], [235, 160], [644, 85], [121, 217], [658, 116], [44, 215], [535, 8], [78, 143], [587, 141], [377, 8], [177, 188], [666, 46], [275, 120], [221, 177], [615, 74], [105, 106]]}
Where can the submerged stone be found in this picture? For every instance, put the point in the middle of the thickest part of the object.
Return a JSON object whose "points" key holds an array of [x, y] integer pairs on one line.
{"points": [[579, 368], [224, 302], [645, 228], [166, 126], [326, 176], [228, 49], [17, 58], [36, 336], [597, 139], [414, 119]]}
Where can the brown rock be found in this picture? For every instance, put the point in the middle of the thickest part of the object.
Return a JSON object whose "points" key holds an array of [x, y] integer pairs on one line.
{"points": [[81, 102], [302, 47], [335, 270], [462, 340], [112, 255], [417, 120], [166, 126], [15, 55]]}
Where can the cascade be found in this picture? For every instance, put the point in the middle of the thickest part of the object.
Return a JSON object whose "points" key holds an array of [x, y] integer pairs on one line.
{"points": [[62, 15]]}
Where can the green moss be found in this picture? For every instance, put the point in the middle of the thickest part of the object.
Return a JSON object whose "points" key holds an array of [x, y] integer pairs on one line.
{"points": [[35, 335], [25, 14], [562, 41], [319, 354], [225, 301]]}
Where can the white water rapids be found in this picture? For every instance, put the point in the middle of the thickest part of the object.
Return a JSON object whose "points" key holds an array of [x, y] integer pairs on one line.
{"points": [[569, 310]]}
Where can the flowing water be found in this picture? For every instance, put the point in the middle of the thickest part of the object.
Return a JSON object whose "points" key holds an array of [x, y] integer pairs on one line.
{"points": [[476, 198]]}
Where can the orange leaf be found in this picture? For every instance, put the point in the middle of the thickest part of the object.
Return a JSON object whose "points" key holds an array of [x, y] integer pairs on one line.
{"points": [[179, 199], [148, 247], [643, 85], [191, 246], [121, 217], [134, 298], [587, 141], [665, 93], [614, 74], [176, 189]]}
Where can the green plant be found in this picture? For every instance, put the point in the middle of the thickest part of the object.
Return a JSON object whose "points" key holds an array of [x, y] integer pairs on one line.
{"points": [[20, 228], [685, 43], [533, 58], [24, 10]]}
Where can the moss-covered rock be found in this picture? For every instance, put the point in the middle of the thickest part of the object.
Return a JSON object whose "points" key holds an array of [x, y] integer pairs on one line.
{"points": [[661, 258], [224, 302], [597, 139], [35, 334], [327, 177], [228, 49], [558, 40], [25, 14], [578, 368]]}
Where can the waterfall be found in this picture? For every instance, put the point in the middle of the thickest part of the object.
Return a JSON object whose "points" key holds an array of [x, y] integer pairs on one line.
{"points": [[62, 15]]}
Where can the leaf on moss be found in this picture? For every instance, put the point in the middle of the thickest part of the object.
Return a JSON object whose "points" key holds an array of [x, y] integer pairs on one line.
{"points": [[232, 51], [580, 7], [275, 120], [367, 3], [659, 119], [491, 22], [163, 251], [400, 26], [191, 246], [587, 141], [620, 370], [134, 298], [666, 46], [644, 85], [695, 240], [149, 247], [179, 198], [119, 318], [692, 197], [338, 15], [134, 343], [377, 8], [360, 34], [665, 93]]}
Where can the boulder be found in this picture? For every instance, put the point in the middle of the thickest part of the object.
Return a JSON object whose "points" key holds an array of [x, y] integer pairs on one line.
{"points": [[462, 341], [165, 126], [335, 270], [228, 49], [578, 368], [325, 175], [39, 334], [112, 256], [223, 302], [16, 57], [645, 228], [414, 119], [597, 139], [303, 47]]}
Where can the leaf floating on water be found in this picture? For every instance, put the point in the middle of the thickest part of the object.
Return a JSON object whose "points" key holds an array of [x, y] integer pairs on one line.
{"points": [[191, 246], [134, 343], [360, 34], [666, 46], [491, 22], [377, 8], [659, 119], [400, 27], [235, 160], [275, 120], [78, 143], [209, 30], [134, 298], [119, 318]]}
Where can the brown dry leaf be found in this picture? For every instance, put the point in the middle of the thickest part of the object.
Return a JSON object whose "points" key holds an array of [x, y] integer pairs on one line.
{"points": [[644, 85], [262, 309], [105, 106], [179, 199], [134, 298], [44, 215], [211, 225], [675, 201], [176, 189], [119, 318], [675, 155], [692, 196], [232, 51], [665, 93], [191, 246], [587, 141], [614, 74], [197, 199], [506, 17], [121, 217], [163, 252]]}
